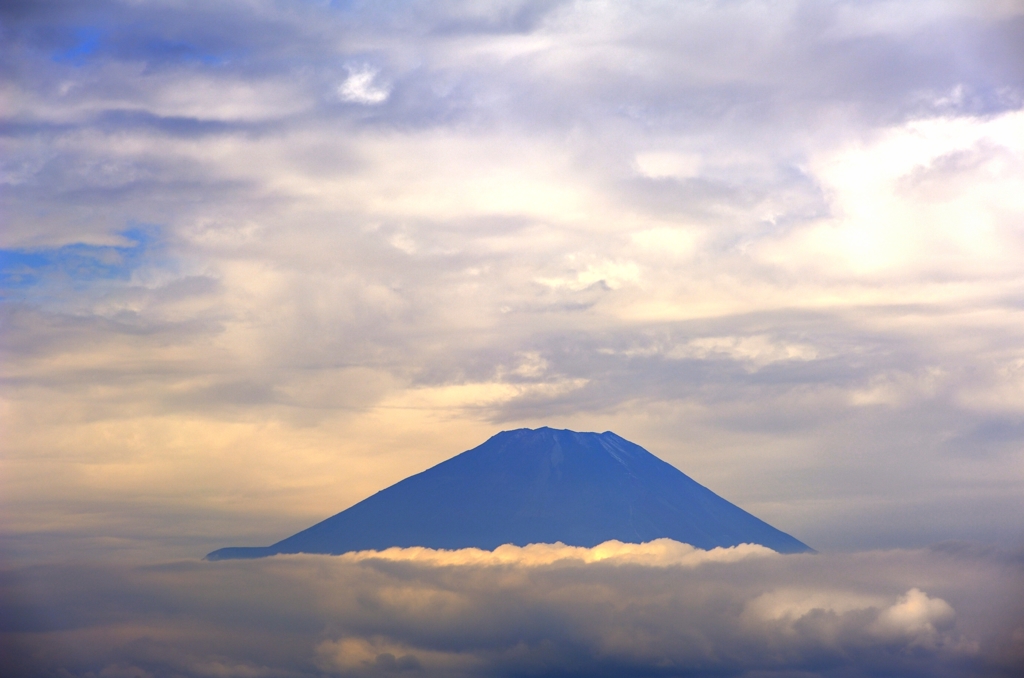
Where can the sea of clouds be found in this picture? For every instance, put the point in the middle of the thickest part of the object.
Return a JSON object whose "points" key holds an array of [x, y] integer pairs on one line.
{"points": [[655, 609]]}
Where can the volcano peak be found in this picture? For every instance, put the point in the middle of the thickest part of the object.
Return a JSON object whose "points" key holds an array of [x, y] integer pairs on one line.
{"points": [[540, 485]]}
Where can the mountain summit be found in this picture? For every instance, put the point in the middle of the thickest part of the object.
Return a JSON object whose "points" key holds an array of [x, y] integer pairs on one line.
{"points": [[536, 486]]}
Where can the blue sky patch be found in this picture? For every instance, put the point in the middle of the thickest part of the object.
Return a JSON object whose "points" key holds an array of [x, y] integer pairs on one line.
{"points": [[177, 51], [86, 43], [77, 263]]}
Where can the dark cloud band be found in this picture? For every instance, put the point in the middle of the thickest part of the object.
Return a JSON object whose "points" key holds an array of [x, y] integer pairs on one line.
{"points": [[662, 610]]}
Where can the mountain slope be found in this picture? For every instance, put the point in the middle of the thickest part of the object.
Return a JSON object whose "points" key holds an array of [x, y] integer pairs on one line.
{"points": [[530, 486]]}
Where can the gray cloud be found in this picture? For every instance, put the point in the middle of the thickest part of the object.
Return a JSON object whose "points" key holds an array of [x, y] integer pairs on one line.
{"points": [[776, 244], [955, 610]]}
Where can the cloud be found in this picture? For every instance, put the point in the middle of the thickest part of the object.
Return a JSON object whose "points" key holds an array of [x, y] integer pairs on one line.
{"points": [[261, 260], [660, 552], [915, 616], [654, 609], [661, 164], [935, 178], [774, 243], [360, 87]]}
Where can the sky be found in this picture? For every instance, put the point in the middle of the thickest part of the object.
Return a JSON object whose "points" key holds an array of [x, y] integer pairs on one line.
{"points": [[261, 259]]}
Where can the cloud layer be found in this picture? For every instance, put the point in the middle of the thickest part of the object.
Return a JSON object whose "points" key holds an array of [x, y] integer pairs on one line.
{"points": [[660, 609], [260, 259], [263, 259]]}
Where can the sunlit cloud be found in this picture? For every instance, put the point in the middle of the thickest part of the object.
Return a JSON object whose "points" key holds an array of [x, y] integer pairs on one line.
{"points": [[260, 262], [660, 552], [361, 86], [312, 307]]}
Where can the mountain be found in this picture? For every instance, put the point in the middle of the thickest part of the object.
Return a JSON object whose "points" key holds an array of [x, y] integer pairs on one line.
{"points": [[536, 486]]}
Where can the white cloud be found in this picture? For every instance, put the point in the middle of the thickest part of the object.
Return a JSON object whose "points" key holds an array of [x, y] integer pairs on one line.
{"points": [[361, 86], [900, 388], [929, 198], [339, 296], [584, 272], [657, 553], [672, 241], [914, 616], [666, 164], [759, 350], [792, 605]]}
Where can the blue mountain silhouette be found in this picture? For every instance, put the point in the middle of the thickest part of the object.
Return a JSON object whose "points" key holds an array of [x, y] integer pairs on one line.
{"points": [[536, 486]]}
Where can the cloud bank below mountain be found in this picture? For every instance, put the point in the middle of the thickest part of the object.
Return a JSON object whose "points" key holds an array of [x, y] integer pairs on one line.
{"points": [[659, 609]]}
